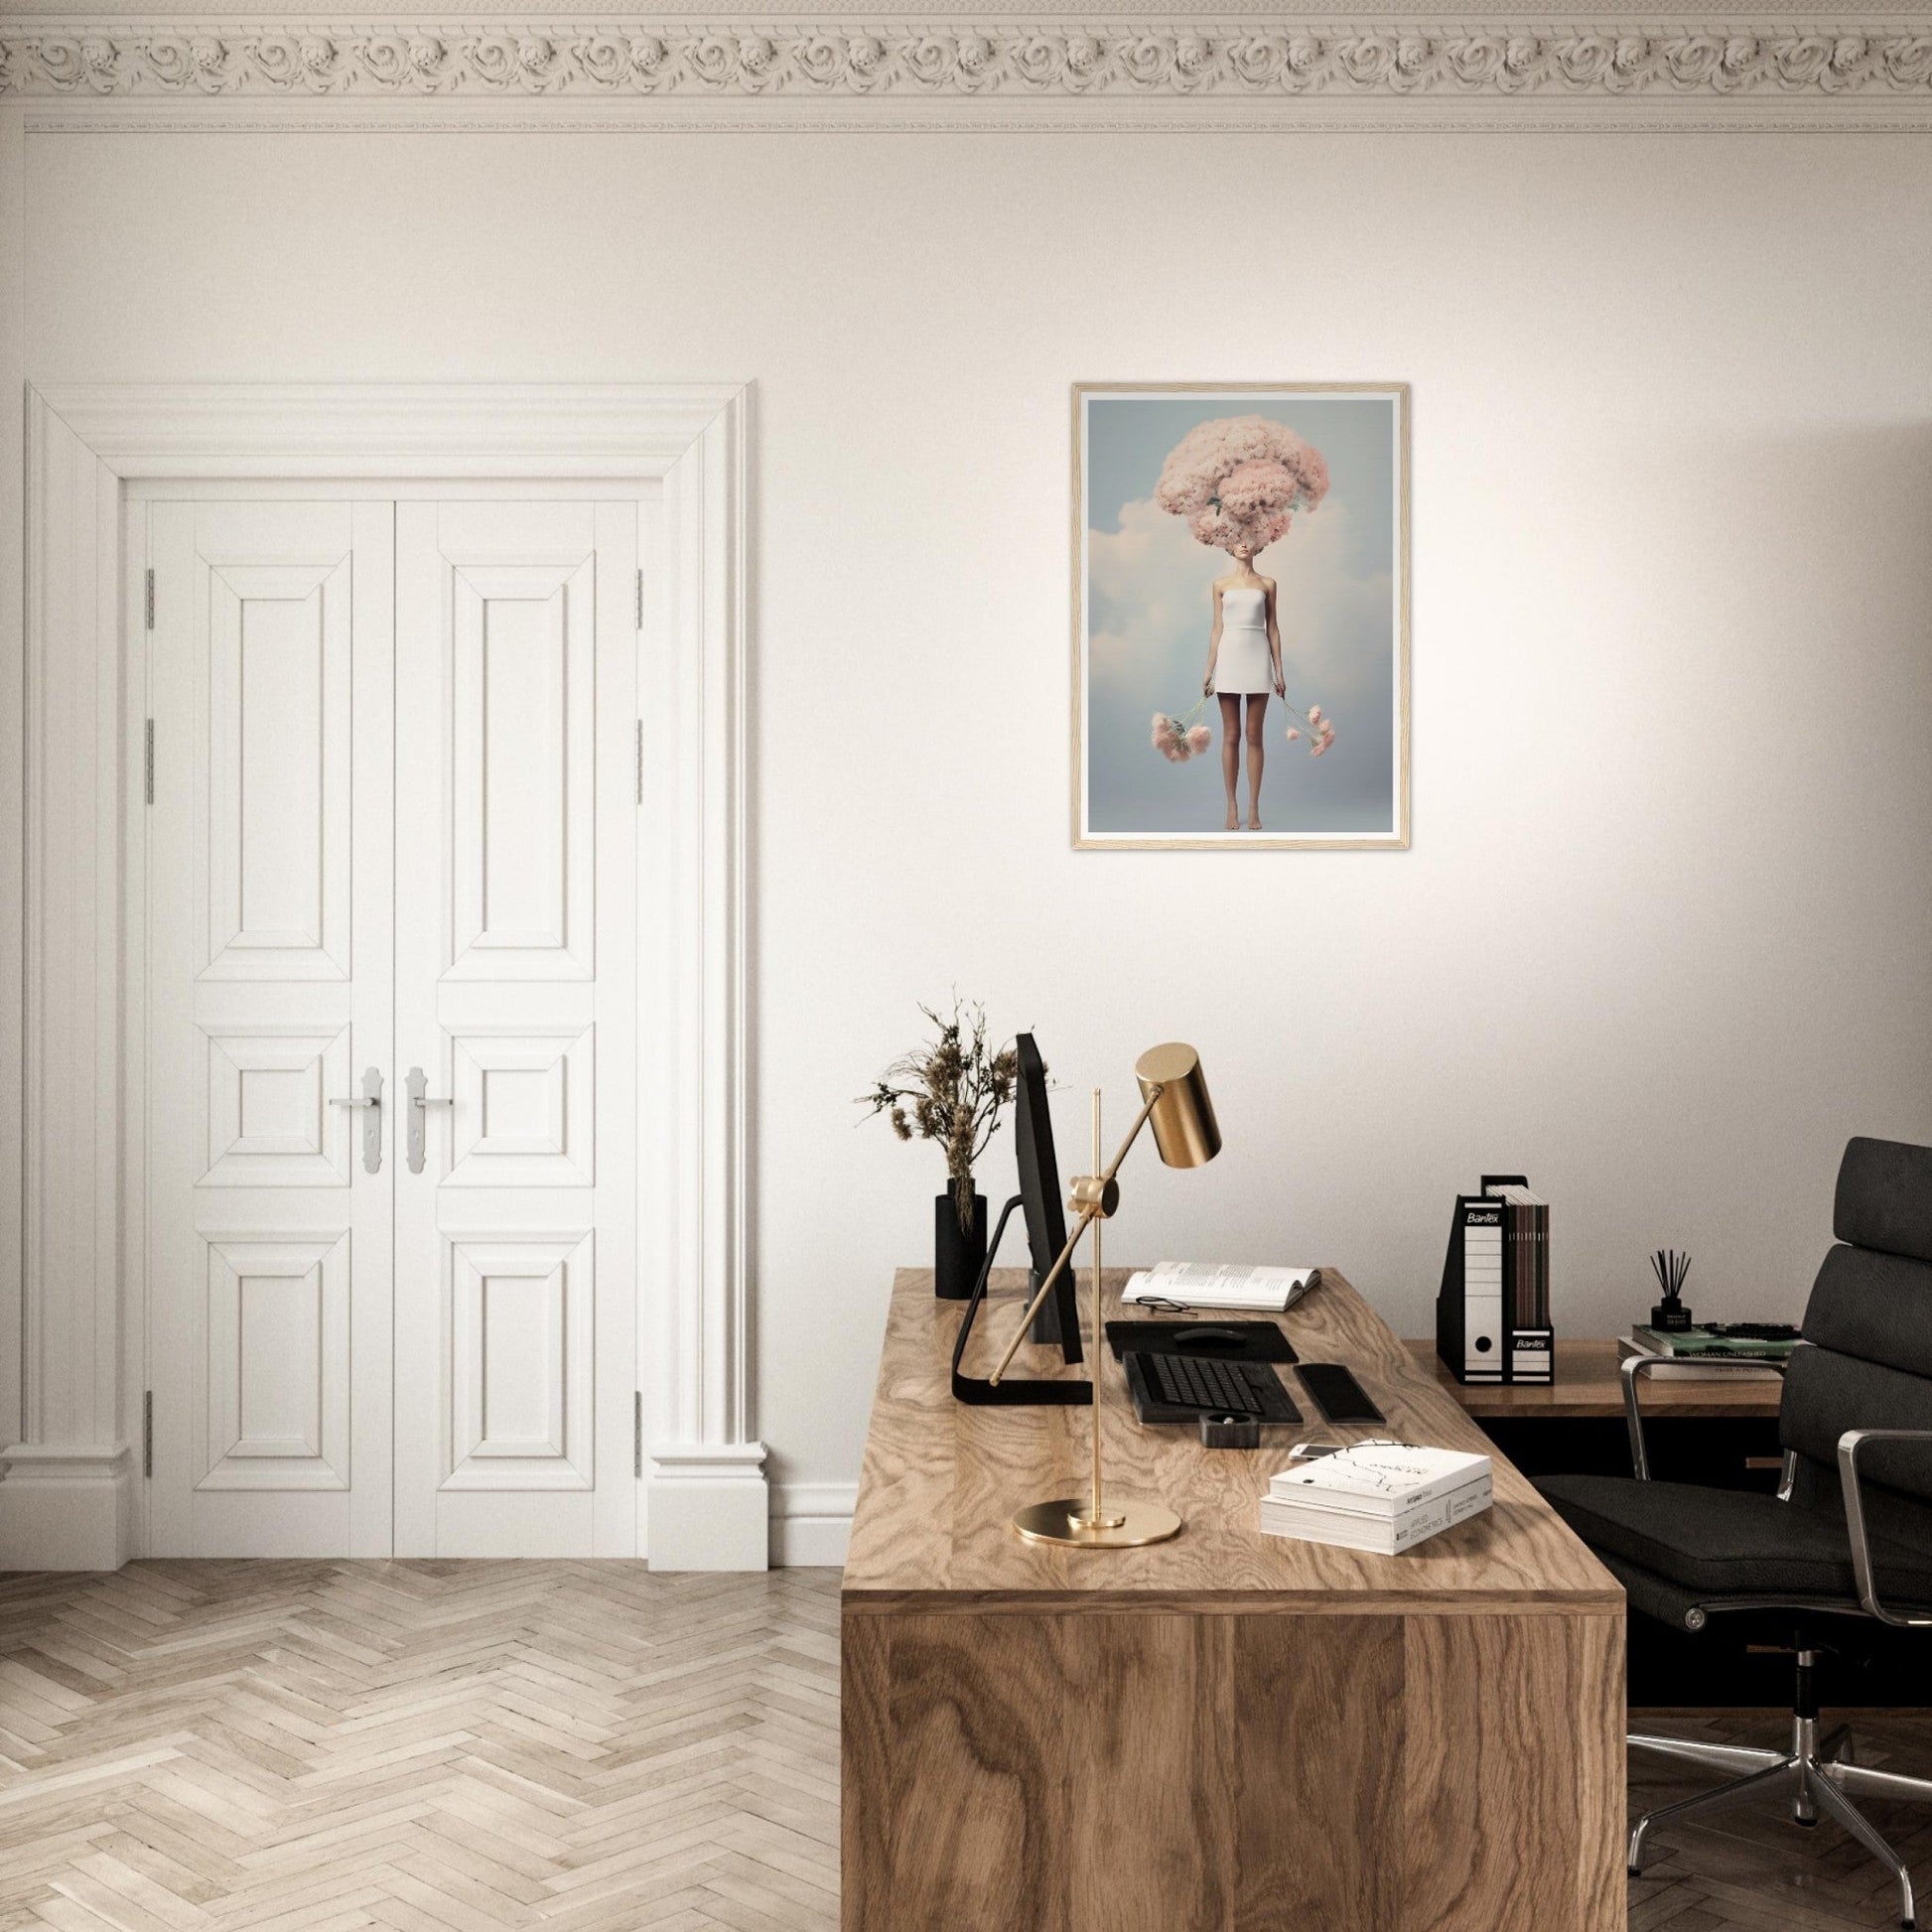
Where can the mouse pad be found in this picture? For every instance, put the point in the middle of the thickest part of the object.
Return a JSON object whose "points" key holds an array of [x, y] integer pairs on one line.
{"points": [[1208, 1341]]}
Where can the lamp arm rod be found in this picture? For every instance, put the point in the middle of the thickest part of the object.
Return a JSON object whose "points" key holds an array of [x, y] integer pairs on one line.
{"points": [[1088, 1216], [1134, 1133]]}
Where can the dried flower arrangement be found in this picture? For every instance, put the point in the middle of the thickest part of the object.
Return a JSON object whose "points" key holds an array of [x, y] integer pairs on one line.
{"points": [[952, 1091]]}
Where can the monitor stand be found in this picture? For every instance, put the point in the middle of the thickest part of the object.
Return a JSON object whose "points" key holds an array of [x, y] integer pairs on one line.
{"points": [[1046, 1328], [1013, 1391]]}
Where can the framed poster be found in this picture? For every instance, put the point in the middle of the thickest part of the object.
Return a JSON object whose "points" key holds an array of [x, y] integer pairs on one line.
{"points": [[1241, 615]]}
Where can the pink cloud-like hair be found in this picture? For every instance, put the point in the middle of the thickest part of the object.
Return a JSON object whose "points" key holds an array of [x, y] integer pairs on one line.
{"points": [[1241, 479]]}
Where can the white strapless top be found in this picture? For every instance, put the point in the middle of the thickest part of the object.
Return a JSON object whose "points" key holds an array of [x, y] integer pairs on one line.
{"points": [[1244, 610]]}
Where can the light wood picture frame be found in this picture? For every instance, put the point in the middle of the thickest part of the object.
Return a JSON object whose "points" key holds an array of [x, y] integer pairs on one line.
{"points": [[1317, 476]]}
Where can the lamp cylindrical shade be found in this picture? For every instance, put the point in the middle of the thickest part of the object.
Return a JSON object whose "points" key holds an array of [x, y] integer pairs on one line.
{"points": [[1184, 1128]]}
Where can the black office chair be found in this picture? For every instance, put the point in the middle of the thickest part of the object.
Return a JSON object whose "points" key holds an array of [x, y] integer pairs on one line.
{"points": [[1847, 1538]]}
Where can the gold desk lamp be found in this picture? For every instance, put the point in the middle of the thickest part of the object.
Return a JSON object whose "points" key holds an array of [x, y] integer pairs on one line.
{"points": [[1175, 1100]]}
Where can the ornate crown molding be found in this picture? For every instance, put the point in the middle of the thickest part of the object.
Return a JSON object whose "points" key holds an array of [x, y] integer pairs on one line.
{"points": [[1193, 60]]}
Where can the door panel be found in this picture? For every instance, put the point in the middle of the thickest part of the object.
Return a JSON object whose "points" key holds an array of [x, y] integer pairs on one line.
{"points": [[522, 763], [278, 1359], [522, 1328], [516, 983], [278, 780], [270, 989]]}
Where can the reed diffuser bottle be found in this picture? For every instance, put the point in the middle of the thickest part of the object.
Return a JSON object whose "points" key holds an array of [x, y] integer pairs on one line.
{"points": [[1670, 1315]]}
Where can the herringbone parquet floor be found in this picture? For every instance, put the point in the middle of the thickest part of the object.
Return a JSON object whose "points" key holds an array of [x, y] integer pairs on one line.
{"points": [[424, 1747], [1755, 1871], [579, 1747]]}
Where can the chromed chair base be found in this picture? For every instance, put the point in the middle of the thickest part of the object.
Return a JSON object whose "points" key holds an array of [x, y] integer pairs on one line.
{"points": [[1818, 1775]]}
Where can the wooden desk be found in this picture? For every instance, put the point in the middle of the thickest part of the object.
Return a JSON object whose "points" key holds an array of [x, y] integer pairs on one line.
{"points": [[1227, 1732], [1588, 1386], [1717, 1433]]}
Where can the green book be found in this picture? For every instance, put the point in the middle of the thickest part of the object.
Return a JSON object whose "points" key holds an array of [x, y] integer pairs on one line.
{"points": [[1701, 1342]]}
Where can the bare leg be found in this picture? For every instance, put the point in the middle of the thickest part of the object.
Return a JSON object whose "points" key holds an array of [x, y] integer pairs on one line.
{"points": [[1231, 755], [1257, 712]]}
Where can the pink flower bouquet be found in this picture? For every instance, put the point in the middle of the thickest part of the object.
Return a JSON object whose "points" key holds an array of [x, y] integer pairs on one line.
{"points": [[1180, 739], [1320, 729]]}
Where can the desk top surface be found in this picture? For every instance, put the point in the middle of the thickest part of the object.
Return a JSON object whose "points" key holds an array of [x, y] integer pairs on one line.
{"points": [[1587, 1385], [941, 1480]]}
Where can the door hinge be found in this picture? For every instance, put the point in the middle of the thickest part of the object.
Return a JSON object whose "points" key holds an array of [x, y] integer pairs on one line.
{"points": [[637, 1434], [148, 761], [640, 597], [147, 1434], [150, 599]]}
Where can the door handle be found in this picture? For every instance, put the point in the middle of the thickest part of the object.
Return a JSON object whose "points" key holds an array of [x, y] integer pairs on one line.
{"points": [[420, 1102], [371, 1099]]}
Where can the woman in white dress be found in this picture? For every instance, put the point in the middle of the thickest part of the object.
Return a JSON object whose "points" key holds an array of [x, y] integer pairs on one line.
{"points": [[1244, 660]]}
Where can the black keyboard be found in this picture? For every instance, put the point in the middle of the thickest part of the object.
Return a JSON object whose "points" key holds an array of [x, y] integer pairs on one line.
{"points": [[1186, 1386]]}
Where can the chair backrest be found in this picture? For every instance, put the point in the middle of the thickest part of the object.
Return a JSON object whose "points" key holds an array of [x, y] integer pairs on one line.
{"points": [[1869, 1324]]}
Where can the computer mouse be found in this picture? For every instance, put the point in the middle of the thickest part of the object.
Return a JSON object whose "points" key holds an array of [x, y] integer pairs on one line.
{"points": [[1207, 1337]]}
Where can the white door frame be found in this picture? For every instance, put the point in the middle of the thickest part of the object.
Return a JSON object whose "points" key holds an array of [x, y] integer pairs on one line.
{"points": [[71, 1417]]}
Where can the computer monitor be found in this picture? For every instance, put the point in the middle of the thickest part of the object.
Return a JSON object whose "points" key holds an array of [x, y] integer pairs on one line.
{"points": [[1058, 1320], [1038, 1198]]}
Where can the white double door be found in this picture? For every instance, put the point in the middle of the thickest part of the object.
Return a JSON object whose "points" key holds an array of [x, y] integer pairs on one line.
{"points": [[391, 859]]}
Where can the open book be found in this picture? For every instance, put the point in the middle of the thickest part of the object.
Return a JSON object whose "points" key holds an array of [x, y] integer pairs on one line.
{"points": [[1211, 1284]]}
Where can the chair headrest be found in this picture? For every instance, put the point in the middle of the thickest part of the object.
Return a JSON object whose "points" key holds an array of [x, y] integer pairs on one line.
{"points": [[1885, 1197]]}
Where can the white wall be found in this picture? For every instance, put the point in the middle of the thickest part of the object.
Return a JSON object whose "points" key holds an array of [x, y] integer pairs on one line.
{"points": [[1664, 939]]}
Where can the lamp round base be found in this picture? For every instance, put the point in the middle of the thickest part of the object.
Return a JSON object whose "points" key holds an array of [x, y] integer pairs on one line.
{"points": [[1064, 1521]]}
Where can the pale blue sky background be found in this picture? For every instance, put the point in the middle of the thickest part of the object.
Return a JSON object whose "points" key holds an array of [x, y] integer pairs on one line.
{"points": [[1149, 585]]}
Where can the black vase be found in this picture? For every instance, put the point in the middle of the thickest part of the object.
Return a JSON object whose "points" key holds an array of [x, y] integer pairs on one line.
{"points": [[957, 1257]]}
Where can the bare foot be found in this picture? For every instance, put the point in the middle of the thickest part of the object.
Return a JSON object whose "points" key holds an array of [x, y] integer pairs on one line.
{"points": [[1254, 821], [1234, 820]]}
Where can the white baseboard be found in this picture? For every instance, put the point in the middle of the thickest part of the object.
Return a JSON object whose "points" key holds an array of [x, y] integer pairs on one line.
{"points": [[812, 1523], [709, 1507], [67, 1507]]}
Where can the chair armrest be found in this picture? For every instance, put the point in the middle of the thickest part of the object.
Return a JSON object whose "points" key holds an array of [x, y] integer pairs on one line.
{"points": [[1635, 1367], [1848, 1445]]}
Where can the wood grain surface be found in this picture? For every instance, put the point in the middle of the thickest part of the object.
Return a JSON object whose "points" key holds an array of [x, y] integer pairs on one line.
{"points": [[1588, 1386], [1227, 1732], [941, 1482], [1155, 1772], [316, 1746]]}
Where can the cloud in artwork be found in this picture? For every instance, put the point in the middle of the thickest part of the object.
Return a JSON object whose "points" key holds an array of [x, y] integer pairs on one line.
{"points": [[1150, 603], [1150, 588]]}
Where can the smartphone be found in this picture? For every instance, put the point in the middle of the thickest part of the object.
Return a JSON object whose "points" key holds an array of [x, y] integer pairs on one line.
{"points": [[1337, 1394]]}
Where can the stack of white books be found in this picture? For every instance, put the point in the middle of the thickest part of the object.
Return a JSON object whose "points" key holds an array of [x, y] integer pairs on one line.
{"points": [[1381, 1496]]}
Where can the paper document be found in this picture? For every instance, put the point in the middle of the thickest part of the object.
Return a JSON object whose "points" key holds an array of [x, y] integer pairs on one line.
{"points": [[1211, 1284]]}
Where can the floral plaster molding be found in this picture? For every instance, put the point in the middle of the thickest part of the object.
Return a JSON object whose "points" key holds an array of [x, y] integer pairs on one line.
{"points": [[1239, 61]]}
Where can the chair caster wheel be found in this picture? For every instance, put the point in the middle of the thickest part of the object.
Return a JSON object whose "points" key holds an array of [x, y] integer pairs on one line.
{"points": [[1809, 1824], [1633, 1871]]}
